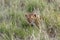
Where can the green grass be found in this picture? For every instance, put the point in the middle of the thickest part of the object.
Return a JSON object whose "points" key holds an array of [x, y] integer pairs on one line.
{"points": [[14, 24]]}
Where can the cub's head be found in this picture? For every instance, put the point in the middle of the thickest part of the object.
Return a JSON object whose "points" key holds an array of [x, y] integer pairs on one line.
{"points": [[30, 17], [33, 19]]}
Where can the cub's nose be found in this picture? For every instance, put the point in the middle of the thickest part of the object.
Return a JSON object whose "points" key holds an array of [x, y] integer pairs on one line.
{"points": [[31, 24]]}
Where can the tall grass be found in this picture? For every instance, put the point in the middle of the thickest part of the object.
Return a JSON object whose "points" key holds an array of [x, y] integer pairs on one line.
{"points": [[13, 24]]}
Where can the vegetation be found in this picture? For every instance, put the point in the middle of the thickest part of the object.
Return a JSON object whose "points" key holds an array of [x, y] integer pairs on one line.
{"points": [[13, 24]]}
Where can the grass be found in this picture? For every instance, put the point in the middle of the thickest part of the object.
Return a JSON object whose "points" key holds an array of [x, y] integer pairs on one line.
{"points": [[13, 23]]}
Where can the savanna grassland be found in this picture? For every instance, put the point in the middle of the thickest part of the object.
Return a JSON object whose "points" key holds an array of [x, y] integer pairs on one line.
{"points": [[13, 23]]}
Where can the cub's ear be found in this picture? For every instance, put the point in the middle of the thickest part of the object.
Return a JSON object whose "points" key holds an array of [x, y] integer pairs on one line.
{"points": [[25, 15], [35, 15]]}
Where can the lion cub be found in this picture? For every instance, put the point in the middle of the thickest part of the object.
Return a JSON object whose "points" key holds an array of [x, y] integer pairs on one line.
{"points": [[33, 19]]}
